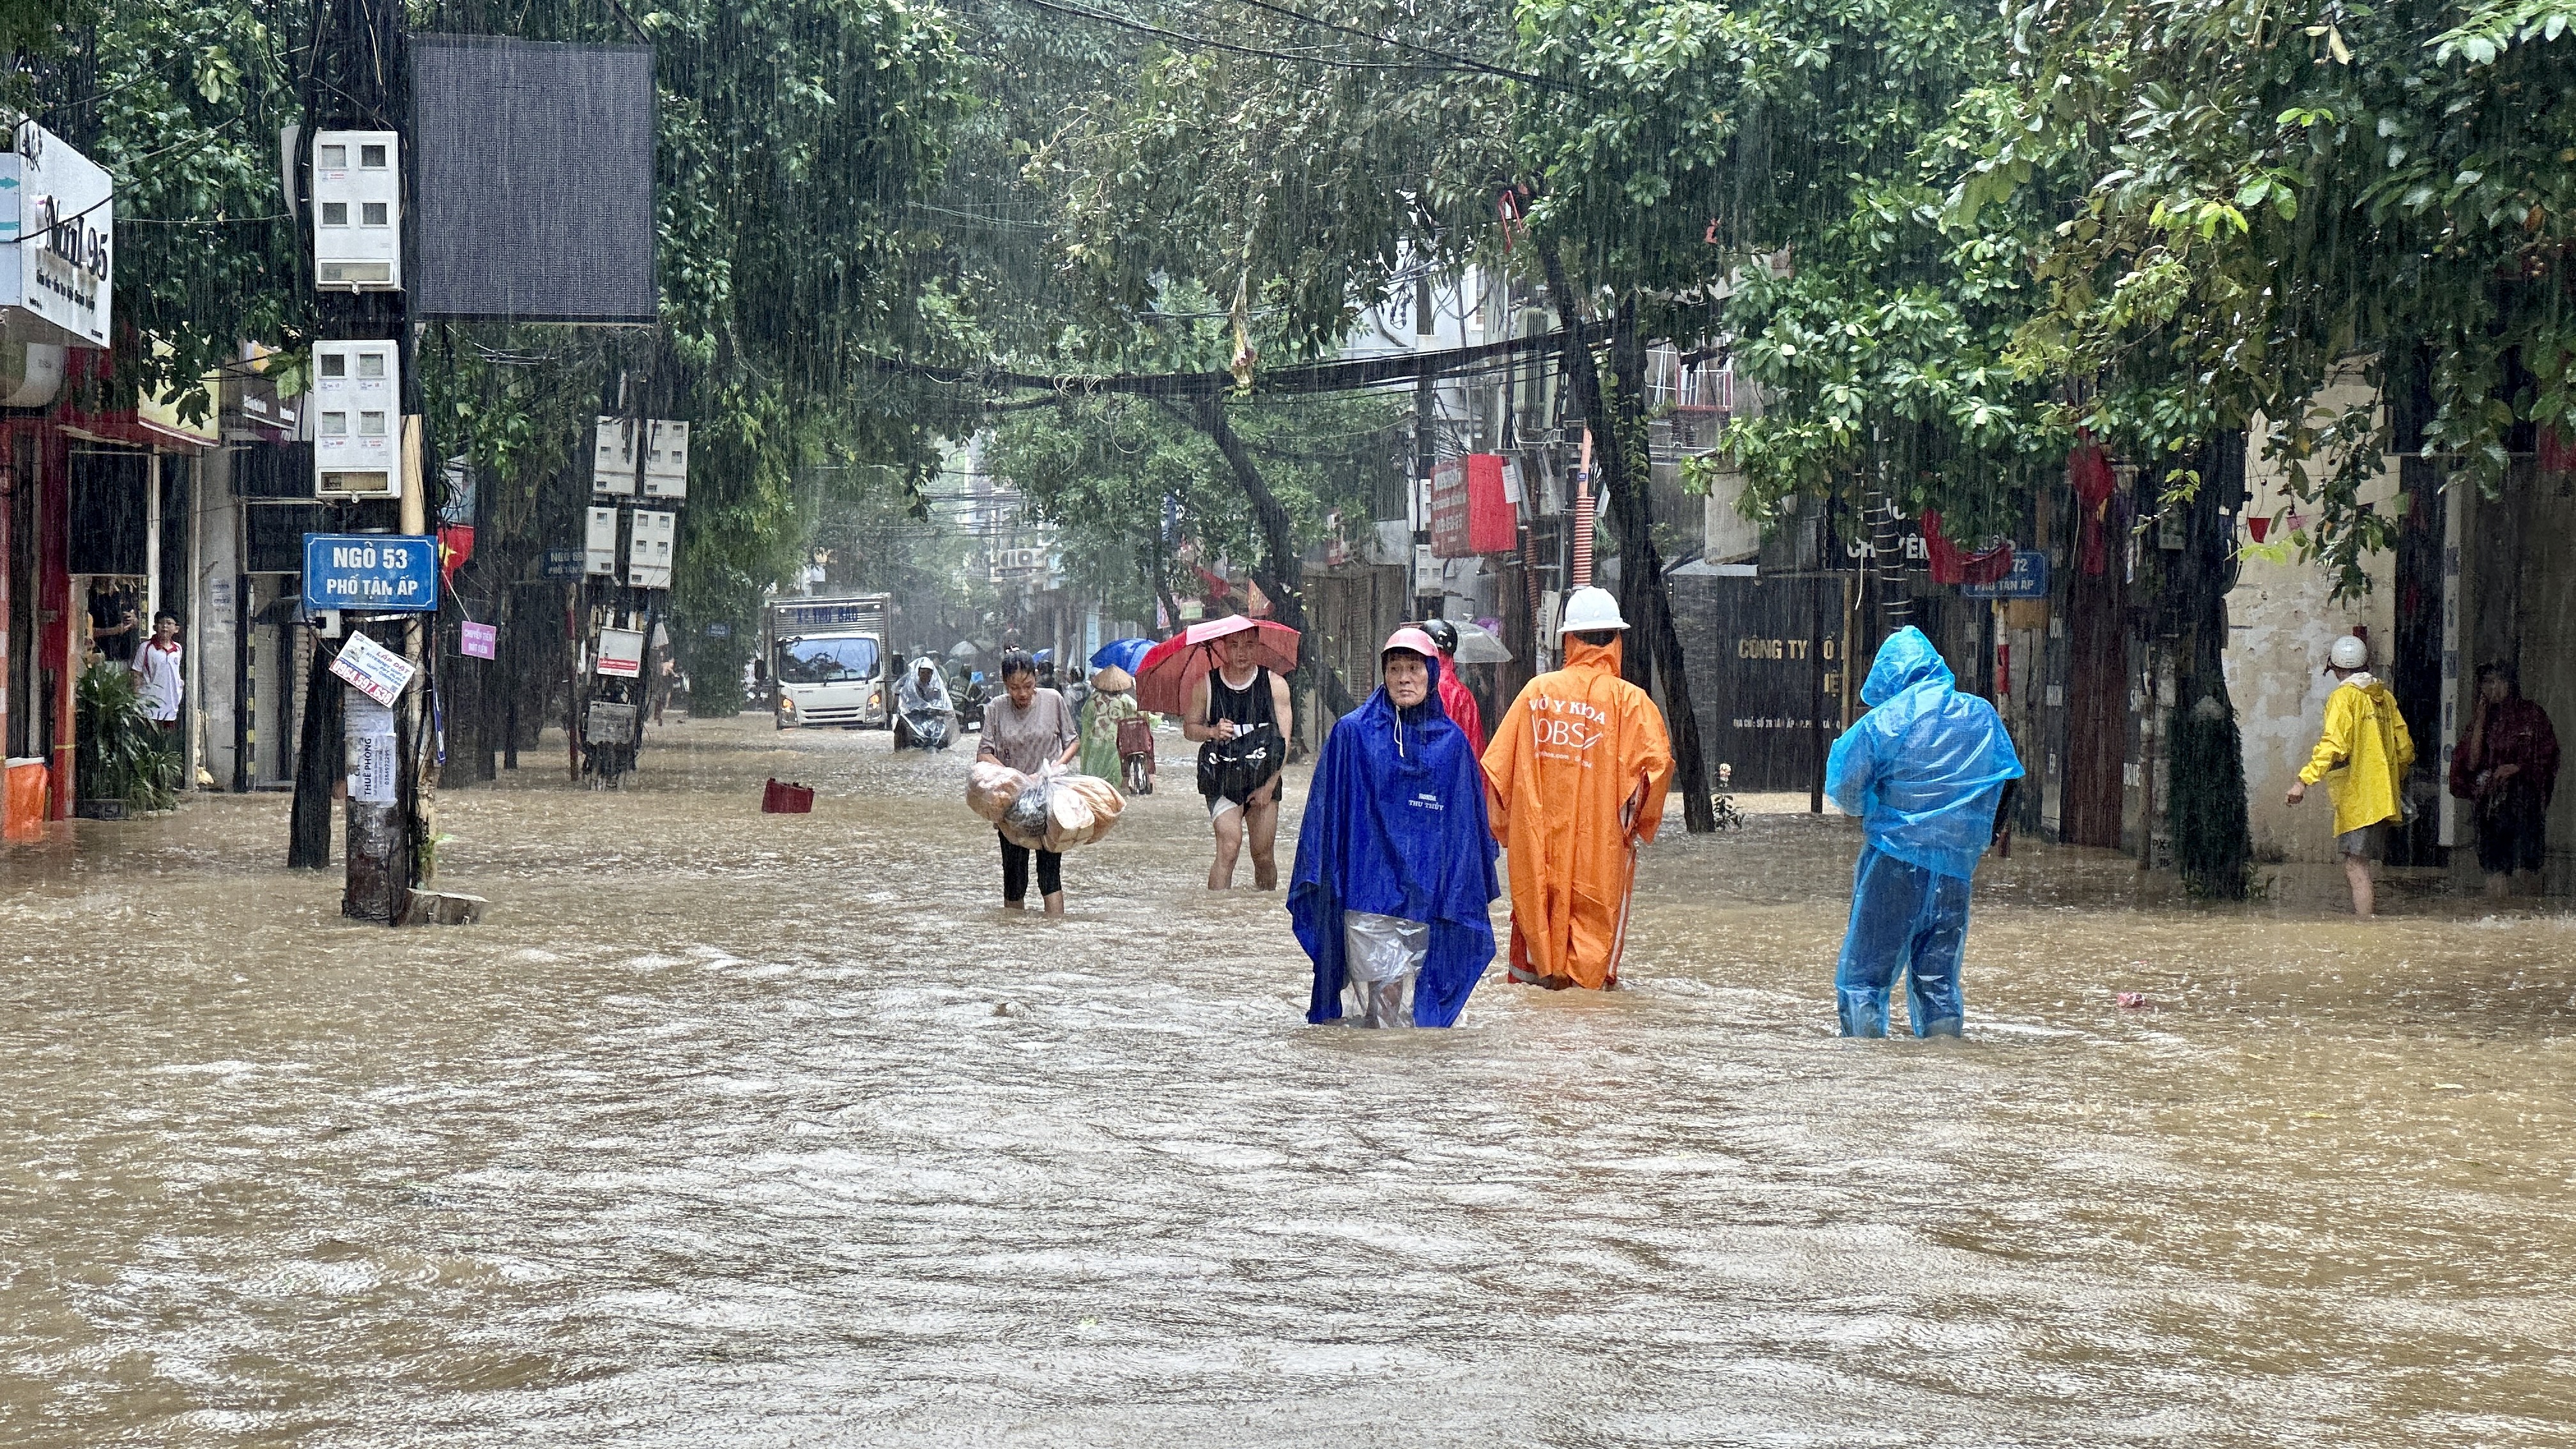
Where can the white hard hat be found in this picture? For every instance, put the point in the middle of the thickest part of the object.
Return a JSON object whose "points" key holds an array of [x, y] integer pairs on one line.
{"points": [[2349, 652], [1590, 609]]}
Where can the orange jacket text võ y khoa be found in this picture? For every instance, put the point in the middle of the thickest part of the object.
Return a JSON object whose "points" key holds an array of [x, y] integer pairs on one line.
{"points": [[1574, 783]]}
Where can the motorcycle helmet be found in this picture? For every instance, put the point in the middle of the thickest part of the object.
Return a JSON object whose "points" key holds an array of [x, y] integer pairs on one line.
{"points": [[1443, 633]]}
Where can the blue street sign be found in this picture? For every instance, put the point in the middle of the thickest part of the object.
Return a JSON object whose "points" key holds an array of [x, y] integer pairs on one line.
{"points": [[2028, 579], [560, 563], [370, 573]]}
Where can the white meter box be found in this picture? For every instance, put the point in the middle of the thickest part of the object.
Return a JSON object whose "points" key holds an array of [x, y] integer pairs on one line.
{"points": [[648, 549], [599, 543], [357, 211], [612, 458], [666, 460], [357, 419]]}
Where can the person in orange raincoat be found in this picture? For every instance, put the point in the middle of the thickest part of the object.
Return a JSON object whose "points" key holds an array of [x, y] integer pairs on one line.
{"points": [[1574, 783]]}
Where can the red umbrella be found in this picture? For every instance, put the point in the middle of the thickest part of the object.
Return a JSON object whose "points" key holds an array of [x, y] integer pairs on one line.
{"points": [[1173, 668]]}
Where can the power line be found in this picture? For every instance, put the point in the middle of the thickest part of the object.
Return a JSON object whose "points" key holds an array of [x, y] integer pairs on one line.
{"points": [[1463, 62], [1084, 12], [1341, 375]]}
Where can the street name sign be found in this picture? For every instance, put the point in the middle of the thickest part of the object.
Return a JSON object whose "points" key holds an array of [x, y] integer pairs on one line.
{"points": [[378, 573], [2028, 579]]}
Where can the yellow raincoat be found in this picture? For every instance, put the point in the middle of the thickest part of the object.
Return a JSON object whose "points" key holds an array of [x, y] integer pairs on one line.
{"points": [[1574, 783], [2363, 754]]}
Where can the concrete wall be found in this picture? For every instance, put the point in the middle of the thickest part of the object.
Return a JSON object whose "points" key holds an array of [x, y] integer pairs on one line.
{"points": [[214, 613], [2280, 623]]}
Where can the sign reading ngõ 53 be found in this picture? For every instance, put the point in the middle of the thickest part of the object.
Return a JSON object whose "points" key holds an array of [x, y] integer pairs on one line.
{"points": [[386, 573]]}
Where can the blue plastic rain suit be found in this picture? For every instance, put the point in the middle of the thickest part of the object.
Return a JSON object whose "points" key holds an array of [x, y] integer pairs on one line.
{"points": [[1924, 769], [1395, 826]]}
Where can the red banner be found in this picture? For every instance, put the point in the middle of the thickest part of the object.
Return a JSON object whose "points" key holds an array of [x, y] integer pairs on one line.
{"points": [[1469, 514]]}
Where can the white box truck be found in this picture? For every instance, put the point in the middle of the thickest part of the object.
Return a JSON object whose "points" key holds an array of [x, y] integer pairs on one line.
{"points": [[827, 662]]}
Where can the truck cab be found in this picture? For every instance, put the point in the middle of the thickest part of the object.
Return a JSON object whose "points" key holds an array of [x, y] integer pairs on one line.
{"points": [[828, 663]]}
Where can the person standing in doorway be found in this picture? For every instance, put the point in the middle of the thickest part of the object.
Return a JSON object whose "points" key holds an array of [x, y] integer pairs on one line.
{"points": [[1574, 784], [158, 679], [2508, 770], [1925, 769], [2362, 757], [1239, 712], [1028, 729]]}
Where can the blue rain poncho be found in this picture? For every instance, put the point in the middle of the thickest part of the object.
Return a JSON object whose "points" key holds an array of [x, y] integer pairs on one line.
{"points": [[1926, 766], [1395, 826]]}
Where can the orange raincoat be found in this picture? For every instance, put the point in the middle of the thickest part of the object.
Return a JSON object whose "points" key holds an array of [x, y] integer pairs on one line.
{"points": [[1574, 783]]}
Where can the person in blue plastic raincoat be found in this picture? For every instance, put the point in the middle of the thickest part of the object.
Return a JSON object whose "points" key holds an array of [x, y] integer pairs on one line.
{"points": [[1925, 769], [1395, 864]]}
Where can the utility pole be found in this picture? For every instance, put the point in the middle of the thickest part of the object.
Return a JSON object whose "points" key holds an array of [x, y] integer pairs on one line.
{"points": [[359, 83]]}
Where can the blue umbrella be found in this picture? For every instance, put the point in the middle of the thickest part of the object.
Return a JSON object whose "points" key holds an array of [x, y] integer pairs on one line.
{"points": [[1125, 653]]}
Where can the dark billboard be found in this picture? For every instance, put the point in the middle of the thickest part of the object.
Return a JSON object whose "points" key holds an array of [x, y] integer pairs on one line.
{"points": [[1758, 671], [532, 166]]}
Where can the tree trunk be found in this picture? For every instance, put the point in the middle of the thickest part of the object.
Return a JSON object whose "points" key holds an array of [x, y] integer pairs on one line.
{"points": [[1284, 580], [2206, 769], [1618, 452]]}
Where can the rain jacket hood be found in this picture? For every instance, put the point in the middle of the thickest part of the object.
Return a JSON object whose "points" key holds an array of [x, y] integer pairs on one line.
{"points": [[1575, 776], [1395, 826], [1926, 766], [2362, 753], [1460, 704], [912, 693]]}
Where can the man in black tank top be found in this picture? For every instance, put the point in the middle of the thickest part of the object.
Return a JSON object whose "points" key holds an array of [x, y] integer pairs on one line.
{"points": [[1239, 713]]}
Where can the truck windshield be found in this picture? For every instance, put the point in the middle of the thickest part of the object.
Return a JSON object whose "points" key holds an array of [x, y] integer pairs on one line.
{"points": [[827, 661]]}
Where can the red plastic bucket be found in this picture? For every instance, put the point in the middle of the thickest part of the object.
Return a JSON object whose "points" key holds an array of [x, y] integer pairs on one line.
{"points": [[25, 800], [781, 798]]}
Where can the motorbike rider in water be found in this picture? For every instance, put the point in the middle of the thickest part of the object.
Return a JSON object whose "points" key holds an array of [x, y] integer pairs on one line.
{"points": [[924, 718]]}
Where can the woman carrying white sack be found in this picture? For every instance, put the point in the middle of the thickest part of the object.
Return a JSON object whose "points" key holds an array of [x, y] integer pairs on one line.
{"points": [[1395, 864], [1027, 730]]}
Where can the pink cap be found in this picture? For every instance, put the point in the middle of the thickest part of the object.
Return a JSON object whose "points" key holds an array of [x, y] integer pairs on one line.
{"points": [[1412, 639]]}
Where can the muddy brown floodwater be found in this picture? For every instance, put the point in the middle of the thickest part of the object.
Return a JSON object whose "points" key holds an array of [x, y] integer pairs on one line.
{"points": [[742, 1130]]}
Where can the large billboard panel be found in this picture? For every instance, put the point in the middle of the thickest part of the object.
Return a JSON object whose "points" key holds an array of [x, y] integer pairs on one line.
{"points": [[532, 180]]}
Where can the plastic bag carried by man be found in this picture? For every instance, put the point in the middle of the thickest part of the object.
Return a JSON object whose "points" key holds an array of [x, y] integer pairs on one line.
{"points": [[1395, 871], [1925, 769]]}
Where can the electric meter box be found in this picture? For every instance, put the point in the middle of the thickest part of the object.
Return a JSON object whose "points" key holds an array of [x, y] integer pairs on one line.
{"points": [[648, 548], [666, 460], [612, 457], [599, 543], [356, 410], [357, 211]]}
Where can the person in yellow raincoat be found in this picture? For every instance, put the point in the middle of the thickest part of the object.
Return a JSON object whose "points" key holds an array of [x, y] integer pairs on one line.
{"points": [[1574, 783], [2362, 757]]}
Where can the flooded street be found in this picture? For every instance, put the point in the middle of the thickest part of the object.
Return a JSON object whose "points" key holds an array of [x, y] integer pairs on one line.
{"points": [[733, 1129]]}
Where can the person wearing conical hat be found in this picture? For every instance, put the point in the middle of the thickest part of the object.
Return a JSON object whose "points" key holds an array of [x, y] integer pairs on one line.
{"points": [[1112, 699], [1574, 783]]}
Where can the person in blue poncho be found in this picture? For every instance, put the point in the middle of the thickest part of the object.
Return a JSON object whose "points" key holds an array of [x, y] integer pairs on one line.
{"points": [[1395, 863], [1925, 769]]}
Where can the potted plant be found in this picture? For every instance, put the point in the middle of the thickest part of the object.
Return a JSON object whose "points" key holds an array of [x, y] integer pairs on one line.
{"points": [[124, 766]]}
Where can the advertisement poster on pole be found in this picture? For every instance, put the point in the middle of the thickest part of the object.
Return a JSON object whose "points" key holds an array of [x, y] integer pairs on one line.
{"points": [[478, 641], [373, 670]]}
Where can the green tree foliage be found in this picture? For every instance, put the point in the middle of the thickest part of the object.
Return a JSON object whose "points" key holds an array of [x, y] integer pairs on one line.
{"points": [[180, 101], [2273, 198]]}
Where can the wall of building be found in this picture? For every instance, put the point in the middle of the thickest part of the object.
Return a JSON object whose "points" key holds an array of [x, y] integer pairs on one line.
{"points": [[2281, 621], [214, 616]]}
